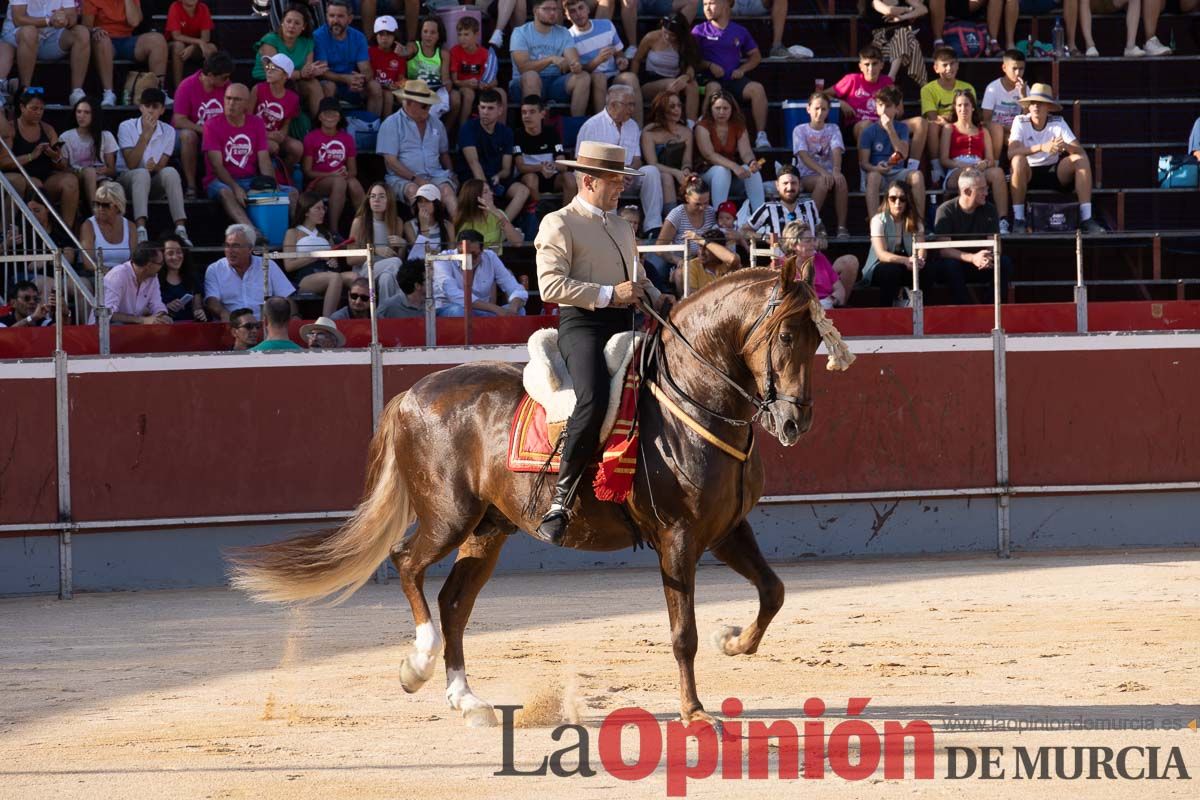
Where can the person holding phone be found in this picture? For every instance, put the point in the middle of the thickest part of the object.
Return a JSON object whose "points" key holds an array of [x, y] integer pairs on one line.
{"points": [[36, 148]]}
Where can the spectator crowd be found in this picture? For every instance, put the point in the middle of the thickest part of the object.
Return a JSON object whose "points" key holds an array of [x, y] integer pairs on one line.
{"points": [[470, 129]]}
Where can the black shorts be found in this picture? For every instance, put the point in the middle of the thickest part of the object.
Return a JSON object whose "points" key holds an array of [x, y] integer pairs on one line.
{"points": [[1046, 177], [728, 84]]}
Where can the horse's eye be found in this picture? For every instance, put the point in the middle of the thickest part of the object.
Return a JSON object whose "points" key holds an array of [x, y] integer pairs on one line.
{"points": [[785, 338]]}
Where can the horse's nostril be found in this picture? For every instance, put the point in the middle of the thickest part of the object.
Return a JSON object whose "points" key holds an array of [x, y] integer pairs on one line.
{"points": [[790, 428]]}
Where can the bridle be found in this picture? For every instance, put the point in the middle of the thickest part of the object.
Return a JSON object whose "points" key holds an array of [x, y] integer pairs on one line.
{"points": [[760, 401]]}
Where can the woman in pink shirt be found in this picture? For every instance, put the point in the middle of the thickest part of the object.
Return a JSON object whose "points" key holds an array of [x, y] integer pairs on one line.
{"points": [[329, 161], [832, 282]]}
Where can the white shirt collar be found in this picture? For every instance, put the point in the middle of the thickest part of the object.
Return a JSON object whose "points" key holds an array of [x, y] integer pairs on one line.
{"points": [[595, 211]]}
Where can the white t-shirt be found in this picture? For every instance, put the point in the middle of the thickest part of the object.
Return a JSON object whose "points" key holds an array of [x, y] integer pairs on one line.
{"points": [[163, 141], [1001, 102], [82, 153], [38, 8], [1023, 132]]}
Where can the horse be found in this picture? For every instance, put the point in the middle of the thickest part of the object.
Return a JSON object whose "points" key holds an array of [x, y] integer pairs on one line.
{"points": [[739, 351]]}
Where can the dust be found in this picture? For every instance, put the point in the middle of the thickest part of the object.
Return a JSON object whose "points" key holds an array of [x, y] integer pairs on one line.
{"points": [[293, 651], [553, 703]]}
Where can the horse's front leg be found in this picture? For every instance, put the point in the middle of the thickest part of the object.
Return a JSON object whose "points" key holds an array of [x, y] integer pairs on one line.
{"points": [[740, 551], [677, 564]]}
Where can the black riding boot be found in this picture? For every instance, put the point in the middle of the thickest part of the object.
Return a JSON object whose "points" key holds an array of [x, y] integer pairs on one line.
{"points": [[554, 524]]}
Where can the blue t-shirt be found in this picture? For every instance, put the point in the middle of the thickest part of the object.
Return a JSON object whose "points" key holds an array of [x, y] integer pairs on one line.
{"points": [[539, 46], [601, 35], [490, 147], [726, 48], [875, 139], [1194, 139], [343, 56]]}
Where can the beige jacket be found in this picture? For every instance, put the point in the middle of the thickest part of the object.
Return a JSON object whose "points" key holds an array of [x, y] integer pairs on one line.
{"points": [[576, 256]]}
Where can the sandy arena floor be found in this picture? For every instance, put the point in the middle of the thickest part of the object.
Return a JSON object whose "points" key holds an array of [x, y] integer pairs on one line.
{"points": [[201, 694]]}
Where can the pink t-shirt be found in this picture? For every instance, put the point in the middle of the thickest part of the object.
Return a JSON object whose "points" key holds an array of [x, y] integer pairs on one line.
{"points": [[824, 276], [276, 113], [239, 147], [860, 95], [193, 102], [328, 153]]}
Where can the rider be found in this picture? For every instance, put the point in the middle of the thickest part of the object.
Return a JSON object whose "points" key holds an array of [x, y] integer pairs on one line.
{"points": [[587, 263]]}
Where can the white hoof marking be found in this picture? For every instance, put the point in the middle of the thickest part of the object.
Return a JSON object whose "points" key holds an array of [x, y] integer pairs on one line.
{"points": [[723, 635]]}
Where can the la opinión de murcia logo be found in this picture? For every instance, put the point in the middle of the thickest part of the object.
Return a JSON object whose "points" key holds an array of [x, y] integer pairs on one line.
{"points": [[851, 750]]}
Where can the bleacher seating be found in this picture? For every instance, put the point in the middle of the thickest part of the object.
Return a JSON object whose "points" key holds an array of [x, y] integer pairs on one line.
{"points": [[1126, 111]]}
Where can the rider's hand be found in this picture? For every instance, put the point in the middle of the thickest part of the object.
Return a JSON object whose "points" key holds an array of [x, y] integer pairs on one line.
{"points": [[627, 294]]}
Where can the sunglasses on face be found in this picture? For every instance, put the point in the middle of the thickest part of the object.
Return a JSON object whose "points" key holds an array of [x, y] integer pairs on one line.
{"points": [[897, 198], [364, 298], [245, 326], [101, 204]]}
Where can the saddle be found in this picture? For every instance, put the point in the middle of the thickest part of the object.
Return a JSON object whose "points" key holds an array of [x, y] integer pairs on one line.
{"points": [[549, 399]]}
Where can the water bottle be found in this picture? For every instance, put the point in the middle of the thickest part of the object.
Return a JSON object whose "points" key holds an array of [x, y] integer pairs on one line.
{"points": [[1059, 37], [1029, 51]]}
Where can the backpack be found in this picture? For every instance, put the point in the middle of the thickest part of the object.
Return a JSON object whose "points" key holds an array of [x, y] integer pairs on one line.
{"points": [[966, 39], [1178, 172], [1053, 217]]}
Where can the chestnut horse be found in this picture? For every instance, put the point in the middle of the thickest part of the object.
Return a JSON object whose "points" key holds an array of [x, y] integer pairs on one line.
{"points": [[740, 351]]}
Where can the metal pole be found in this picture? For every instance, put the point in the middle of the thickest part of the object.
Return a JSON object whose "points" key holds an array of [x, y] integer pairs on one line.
{"points": [[59, 303], [63, 448], [687, 278], [103, 312], [468, 293], [996, 279], [266, 273], [371, 295], [999, 369], [1081, 310], [916, 297], [430, 313]]}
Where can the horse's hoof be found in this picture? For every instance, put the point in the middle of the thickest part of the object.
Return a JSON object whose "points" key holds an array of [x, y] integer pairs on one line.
{"points": [[705, 717], [480, 717], [410, 679], [723, 635]]}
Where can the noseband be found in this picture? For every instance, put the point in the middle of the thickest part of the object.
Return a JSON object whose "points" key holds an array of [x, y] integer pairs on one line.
{"points": [[761, 402]]}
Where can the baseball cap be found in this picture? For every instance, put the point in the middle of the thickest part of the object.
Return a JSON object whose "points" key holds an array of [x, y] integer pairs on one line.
{"points": [[283, 62], [727, 207], [385, 23], [429, 192]]}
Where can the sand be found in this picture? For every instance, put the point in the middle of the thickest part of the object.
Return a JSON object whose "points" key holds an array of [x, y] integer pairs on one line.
{"points": [[202, 694]]}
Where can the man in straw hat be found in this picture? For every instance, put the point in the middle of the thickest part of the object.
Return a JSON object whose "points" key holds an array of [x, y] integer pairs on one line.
{"points": [[415, 147], [322, 335], [1046, 155], [587, 263]]}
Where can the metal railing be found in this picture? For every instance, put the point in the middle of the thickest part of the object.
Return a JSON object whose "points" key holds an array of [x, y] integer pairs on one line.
{"points": [[465, 261], [685, 260]]}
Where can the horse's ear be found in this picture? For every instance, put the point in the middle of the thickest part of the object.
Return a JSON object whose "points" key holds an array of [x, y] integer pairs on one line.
{"points": [[787, 275]]}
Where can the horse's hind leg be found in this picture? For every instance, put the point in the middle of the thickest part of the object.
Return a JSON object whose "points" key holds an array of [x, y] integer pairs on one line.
{"points": [[427, 546], [476, 560], [740, 551]]}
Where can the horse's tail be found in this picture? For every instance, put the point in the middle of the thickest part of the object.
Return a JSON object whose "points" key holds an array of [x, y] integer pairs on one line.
{"points": [[312, 567]]}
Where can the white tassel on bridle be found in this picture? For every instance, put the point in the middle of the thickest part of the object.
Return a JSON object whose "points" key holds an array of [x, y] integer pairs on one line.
{"points": [[840, 358]]}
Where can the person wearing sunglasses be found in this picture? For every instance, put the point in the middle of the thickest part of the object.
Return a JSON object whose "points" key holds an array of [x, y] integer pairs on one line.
{"points": [[245, 329], [891, 261]]}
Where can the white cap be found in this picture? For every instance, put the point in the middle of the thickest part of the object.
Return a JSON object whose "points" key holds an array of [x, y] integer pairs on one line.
{"points": [[429, 192], [385, 23], [283, 62]]}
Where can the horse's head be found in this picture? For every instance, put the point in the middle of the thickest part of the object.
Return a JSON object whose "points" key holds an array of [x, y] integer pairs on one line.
{"points": [[780, 345]]}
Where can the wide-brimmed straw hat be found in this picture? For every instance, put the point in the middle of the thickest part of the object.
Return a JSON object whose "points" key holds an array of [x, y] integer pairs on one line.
{"points": [[323, 324], [416, 90], [597, 157], [1041, 93]]}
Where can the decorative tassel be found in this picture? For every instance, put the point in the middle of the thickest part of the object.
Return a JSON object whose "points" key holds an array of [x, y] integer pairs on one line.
{"points": [[840, 358]]}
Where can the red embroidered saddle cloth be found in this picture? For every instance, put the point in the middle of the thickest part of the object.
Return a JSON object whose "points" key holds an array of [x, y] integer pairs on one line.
{"points": [[529, 442]]}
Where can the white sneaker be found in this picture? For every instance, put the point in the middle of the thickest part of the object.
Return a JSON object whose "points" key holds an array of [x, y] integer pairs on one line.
{"points": [[167, 101], [1092, 52], [75, 96], [497, 39], [142, 234], [109, 99], [761, 142], [798, 51], [1005, 228], [630, 52], [182, 233], [1134, 52], [1156, 48]]}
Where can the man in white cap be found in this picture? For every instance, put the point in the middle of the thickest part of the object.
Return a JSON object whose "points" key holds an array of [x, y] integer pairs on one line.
{"points": [[277, 106], [322, 335], [1046, 155], [416, 148], [614, 125], [587, 263]]}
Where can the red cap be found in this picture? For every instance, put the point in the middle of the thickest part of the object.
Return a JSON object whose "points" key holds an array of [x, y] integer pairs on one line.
{"points": [[727, 208]]}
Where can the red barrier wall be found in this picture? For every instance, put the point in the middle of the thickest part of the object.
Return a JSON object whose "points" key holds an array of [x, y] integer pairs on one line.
{"points": [[1112, 416], [28, 451]]}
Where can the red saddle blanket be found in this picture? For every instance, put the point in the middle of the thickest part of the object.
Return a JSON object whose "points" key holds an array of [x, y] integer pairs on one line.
{"points": [[529, 443]]}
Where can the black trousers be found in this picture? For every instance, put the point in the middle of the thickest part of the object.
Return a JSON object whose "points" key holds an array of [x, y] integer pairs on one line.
{"points": [[582, 335], [957, 274], [891, 278]]}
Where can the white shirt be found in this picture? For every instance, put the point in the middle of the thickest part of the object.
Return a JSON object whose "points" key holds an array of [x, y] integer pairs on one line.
{"points": [[1024, 132], [38, 8], [489, 271], [161, 142], [1001, 102], [246, 291], [602, 128]]}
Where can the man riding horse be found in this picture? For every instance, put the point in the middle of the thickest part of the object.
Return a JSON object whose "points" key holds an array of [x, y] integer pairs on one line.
{"points": [[587, 263]]}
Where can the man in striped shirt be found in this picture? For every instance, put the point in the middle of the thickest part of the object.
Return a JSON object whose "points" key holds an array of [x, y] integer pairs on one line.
{"points": [[600, 52], [773, 217]]}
